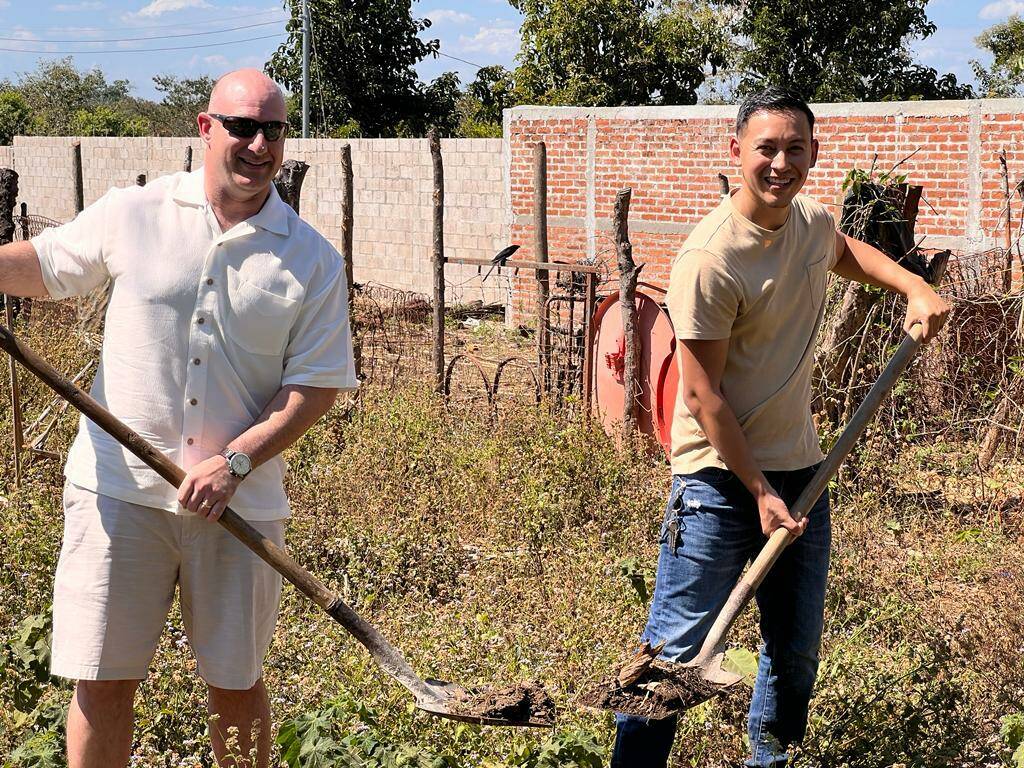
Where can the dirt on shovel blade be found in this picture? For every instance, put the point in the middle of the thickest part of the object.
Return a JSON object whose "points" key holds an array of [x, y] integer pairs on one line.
{"points": [[525, 702], [664, 689]]}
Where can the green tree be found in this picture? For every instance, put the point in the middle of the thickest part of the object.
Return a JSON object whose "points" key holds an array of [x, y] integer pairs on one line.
{"points": [[838, 51], [107, 121], [15, 115], [490, 94], [183, 99], [615, 52], [363, 78], [440, 107], [56, 91], [1004, 78]]}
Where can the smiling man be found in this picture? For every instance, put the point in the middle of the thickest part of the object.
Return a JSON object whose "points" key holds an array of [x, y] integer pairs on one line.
{"points": [[746, 297], [226, 337]]}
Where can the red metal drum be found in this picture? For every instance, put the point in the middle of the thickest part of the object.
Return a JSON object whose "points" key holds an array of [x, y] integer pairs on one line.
{"points": [[658, 372]]}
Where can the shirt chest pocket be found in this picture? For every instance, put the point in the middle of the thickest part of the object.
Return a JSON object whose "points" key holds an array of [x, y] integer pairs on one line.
{"points": [[817, 278], [256, 319]]}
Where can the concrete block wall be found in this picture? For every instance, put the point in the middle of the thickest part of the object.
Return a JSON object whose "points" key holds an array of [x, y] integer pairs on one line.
{"points": [[393, 197], [671, 156]]}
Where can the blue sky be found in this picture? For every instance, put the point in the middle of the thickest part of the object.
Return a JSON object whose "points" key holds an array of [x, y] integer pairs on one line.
{"points": [[105, 33]]}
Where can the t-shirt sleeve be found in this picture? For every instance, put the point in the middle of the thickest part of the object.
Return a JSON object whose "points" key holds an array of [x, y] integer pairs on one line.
{"points": [[319, 351], [72, 256], [703, 298], [828, 223]]}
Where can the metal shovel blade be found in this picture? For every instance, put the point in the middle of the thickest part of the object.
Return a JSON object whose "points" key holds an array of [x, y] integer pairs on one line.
{"points": [[523, 705]]}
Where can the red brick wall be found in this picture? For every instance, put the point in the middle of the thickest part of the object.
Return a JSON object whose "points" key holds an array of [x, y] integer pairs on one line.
{"points": [[671, 156]]}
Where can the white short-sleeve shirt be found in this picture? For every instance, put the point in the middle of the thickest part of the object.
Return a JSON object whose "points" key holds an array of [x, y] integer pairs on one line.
{"points": [[203, 329]]}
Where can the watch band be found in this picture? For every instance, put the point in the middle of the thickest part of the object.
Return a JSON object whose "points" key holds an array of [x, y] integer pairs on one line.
{"points": [[229, 455]]}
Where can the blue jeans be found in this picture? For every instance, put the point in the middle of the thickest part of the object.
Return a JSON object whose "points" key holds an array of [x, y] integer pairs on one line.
{"points": [[719, 531]]}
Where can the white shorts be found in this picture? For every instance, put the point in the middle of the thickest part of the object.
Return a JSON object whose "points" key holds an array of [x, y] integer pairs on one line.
{"points": [[115, 582]]}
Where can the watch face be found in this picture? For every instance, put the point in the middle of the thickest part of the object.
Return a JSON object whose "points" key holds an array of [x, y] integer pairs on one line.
{"points": [[240, 464]]}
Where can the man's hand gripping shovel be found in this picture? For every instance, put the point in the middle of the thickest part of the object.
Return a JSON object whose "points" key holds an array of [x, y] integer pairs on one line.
{"points": [[525, 705], [656, 688]]}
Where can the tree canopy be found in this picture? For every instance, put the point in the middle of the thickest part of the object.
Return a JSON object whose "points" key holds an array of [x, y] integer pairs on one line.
{"points": [[363, 79], [614, 52], [1005, 77], [838, 51]]}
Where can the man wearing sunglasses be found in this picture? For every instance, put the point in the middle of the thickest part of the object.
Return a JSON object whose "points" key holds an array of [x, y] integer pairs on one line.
{"points": [[226, 337]]}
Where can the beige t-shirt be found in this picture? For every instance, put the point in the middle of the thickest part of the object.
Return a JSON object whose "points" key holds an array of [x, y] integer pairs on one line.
{"points": [[764, 291]]}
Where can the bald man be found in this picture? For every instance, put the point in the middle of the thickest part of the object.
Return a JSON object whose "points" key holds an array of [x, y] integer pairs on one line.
{"points": [[226, 337]]}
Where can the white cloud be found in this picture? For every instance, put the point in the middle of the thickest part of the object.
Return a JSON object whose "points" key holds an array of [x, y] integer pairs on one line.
{"points": [[493, 40], [1001, 9], [443, 14], [160, 7], [88, 5]]}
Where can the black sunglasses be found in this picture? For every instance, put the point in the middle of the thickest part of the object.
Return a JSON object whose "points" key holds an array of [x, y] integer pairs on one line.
{"points": [[246, 127]]}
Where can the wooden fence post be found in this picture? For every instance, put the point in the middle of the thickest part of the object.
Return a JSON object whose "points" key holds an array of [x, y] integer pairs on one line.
{"points": [[589, 305], [79, 180], [347, 253], [438, 164], [188, 159], [628, 274], [26, 233], [289, 182], [540, 248], [8, 199]]}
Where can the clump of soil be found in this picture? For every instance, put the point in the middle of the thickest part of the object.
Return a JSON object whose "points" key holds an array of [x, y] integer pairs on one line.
{"points": [[664, 689], [522, 703]]}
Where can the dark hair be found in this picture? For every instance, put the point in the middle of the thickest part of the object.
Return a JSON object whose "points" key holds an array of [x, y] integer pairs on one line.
{"points": [[775, 98]]}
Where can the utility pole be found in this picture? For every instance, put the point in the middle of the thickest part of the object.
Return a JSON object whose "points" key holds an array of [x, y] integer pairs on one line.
{"points": [[305, 69]]}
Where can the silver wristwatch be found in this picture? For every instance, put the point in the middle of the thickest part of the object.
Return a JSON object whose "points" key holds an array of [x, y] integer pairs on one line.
{"points": [[239, 464]]}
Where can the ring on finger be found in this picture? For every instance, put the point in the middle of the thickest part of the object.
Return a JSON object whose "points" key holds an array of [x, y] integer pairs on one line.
{"points": [[205, 504]]}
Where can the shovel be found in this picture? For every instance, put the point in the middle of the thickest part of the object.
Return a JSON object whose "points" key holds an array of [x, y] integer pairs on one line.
{"points": [[704, 676], [526, 705]]}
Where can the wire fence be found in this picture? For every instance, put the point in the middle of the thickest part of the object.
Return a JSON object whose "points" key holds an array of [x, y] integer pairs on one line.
{"points": [[966, 387]]}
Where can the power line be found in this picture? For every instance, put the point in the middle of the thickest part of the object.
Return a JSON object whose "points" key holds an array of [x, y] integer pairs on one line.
{"points": [[133, 39], [449, 56], [188, 24], [143, 50]]}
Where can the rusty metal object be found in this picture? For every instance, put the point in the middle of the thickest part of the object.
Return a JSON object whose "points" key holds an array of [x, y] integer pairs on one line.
{"points": [[538, 392], [447, 388]]}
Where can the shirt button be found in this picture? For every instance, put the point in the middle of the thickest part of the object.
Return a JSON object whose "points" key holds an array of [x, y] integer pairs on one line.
{"points": [[197, 361], [209, 281], [193, 401], [189, 441]]}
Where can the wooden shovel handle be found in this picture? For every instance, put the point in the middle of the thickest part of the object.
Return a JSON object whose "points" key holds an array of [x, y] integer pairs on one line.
{"points": [[781, 538], [385, 654]]}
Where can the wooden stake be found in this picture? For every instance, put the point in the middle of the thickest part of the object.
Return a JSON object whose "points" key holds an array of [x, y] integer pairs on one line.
{"points": [[628, 274], [347, 253], [289, 182], [188, 159], [79, 180], [1008, 266], [589, 337], [540, 247], [8, 199], [438, 163]]}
